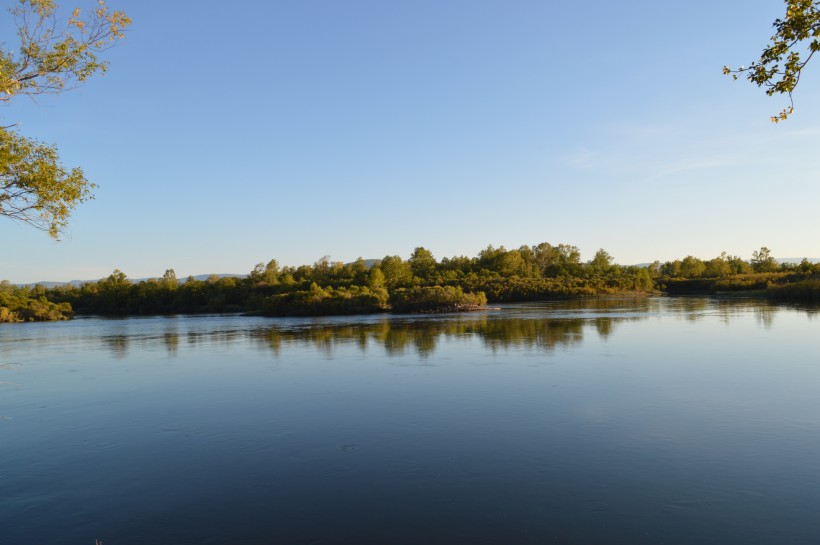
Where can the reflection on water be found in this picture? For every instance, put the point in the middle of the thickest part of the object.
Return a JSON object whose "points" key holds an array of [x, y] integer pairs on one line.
{"points": [[545, 327], [171, 339], [423, 336], [542, 326], [656, 420], [118, 344]]}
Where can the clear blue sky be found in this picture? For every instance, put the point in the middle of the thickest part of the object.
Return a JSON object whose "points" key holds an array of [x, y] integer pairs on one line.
{"points": [[228, 133]]}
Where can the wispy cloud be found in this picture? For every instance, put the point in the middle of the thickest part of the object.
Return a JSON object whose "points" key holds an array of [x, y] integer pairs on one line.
{"points": [[656, 151], [689, 164], [582, 159]]}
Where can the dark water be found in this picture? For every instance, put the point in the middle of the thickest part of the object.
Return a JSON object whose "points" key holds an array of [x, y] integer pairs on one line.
{"points": [[635, 421]]}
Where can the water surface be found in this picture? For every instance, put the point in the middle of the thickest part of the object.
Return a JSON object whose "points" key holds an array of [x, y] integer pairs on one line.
{"points": [[651, 420]]}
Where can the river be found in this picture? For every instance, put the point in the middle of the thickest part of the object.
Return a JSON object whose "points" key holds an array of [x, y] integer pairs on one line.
{"points": [[593, 421]]}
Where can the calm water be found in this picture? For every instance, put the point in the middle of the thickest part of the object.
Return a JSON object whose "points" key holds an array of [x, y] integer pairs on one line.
{"points": [[674, 421]]}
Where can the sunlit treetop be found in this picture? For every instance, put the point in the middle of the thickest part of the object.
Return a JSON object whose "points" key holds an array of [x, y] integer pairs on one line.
{"points": [[34, 187], [52, 56], [55, 55], [794, 43]]}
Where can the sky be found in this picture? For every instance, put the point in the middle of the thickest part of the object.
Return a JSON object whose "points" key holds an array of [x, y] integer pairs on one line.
{"points": [[226, 134]]}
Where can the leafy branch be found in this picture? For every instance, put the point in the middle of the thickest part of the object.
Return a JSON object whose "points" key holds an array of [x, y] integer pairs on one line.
{"points": [[794, 43], [51, 56], [34, 187]]}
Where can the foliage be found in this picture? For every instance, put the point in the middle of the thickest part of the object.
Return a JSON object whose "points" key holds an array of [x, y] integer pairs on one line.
{"points": [[435, 299], [601, 263], [23, 304], [422, 263], [422, 284], [692, 267], [397, 273], [51, 56], [34, 187], [804, 290], [762, 261], [795, 41], [317, 301]]}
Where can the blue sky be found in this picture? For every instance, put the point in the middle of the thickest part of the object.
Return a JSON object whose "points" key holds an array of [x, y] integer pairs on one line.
{"points": [[227, 134]]}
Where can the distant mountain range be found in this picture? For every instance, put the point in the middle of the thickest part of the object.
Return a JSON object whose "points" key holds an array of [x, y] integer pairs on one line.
{"points": [[794, 260]]}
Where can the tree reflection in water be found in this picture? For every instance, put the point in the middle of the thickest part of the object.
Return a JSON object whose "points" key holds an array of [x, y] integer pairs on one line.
{"points": [[536, 326], [543, 326]]}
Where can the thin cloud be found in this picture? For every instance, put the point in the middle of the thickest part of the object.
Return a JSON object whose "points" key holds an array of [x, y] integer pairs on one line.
{"points": [[582, 159]]}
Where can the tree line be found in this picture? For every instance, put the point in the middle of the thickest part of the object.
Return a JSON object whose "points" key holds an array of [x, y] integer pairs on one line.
{"points": [[420, 283]]}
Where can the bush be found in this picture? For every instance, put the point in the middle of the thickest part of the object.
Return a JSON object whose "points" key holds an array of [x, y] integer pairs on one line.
{"points": [[321, 302], [806, 290], [435, 299], [19, 305]]}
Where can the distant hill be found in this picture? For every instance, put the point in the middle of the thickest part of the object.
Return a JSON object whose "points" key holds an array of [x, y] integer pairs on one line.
{"points": [[795, 260]]}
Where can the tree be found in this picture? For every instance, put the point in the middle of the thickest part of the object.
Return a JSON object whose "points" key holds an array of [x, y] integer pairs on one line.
{"points": [[601, 263], [569, 259], [545, 257], [376, 278], [422, 263], [397, 273], [169, 279], [359, 272], [692, 267], [738, 265], [762, 261], [671, 268], [267, 274], [34, 187], [794, 43], [718, 267]]}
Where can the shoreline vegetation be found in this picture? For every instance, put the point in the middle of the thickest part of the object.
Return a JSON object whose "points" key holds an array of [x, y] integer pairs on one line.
{"points": [[418, 284]]}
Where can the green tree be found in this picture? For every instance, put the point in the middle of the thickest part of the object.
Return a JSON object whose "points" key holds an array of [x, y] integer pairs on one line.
{"points": [[512, 263], [360, 272], [169, 279], [762, 261], [490, 257], [601, 263], [34, 187], [376, 278], [671, 268], [795, 41], [692, 267], [738, 265], [396, 272], [569, 259], [499, 260], [718, 267], [422, 263], [267, 274], [545, 257]]}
